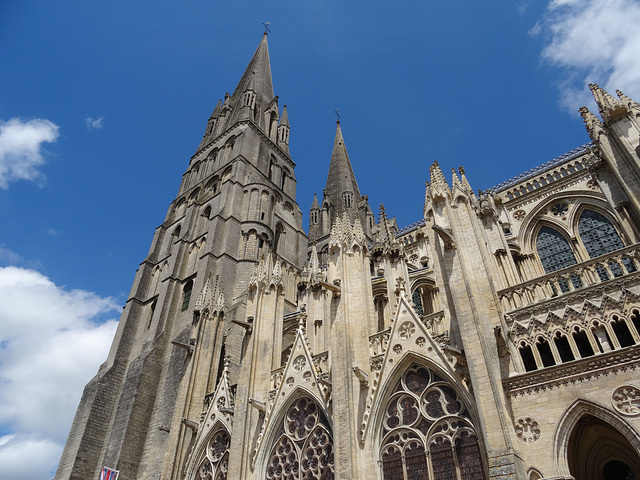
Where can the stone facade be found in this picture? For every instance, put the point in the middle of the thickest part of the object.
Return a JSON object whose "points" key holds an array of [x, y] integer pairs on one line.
{"points": [[497, 337]]}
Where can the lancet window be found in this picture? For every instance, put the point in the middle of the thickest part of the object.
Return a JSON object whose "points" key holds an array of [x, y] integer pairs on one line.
{"points": [[304, 445], [427, 432], [214, 464]]}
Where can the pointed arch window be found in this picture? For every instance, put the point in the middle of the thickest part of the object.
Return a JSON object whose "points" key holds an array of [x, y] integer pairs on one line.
{"points": [[427, 432], [215, 463], [304, 447], [417, 301], [186, 294], [347, 197], [555, 254], [599, 237]]}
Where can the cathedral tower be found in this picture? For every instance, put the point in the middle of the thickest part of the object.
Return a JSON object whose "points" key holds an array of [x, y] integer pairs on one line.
{"points": [[187, 309]]}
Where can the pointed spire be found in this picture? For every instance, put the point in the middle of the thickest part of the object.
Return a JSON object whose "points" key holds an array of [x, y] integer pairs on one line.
{"points": [[591, 123], [341, 181], [465, 182], [284, 119], [455, 181], [439, 185], [257, 75], [210, 132], [315, 205], [283, 130], [610, 108]]}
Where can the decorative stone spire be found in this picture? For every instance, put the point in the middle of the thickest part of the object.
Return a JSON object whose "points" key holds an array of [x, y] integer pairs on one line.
{"points": [[610, 108], [252, 97], [283, 130], [257, 76], [593, 125], [465, 183], [209, 134], [342, 188], [248, 105], [439, 186], [455, 181]]}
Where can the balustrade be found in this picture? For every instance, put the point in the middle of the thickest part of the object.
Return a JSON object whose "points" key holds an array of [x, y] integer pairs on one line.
{"points": [[619, 263]]}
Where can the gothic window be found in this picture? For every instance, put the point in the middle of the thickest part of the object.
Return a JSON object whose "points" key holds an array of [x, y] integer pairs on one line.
{"points": [[283, 180], [212, 185], [528, 359], [277, 236], [152, 309], [314, 217], [417, 301], [581, 339], [563, 347], [427, 432], [347, 197], [214, 465], [555, 254], [599, 237], [544, 349], [622, 332], [304, 447], [186, 294]]}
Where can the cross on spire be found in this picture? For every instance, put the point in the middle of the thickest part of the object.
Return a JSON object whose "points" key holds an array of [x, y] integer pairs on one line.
{"points": [[266, 27], [337, 116]]}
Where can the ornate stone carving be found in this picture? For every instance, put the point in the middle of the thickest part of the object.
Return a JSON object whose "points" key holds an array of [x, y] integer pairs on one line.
{"points": [[626, 400], [406, 330], [519, 215], [299, 363], [527, 429]]}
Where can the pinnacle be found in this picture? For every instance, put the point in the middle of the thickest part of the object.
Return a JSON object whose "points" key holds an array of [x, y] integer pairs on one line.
{"points": [[341, 178]]}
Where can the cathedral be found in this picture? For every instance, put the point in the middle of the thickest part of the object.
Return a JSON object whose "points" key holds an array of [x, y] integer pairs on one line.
{"points": [[497, 337]]}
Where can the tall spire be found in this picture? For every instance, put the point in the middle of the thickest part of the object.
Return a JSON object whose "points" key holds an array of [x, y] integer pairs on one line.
{"points": [[341, 178], [257, 75], [252, 99]]}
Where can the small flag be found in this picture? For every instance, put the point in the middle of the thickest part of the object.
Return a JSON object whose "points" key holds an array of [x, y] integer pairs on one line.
{"points": [[109, 474]]}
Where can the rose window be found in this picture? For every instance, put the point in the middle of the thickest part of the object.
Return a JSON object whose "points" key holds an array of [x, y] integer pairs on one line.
{"points": [[427, 432], [304, 449]]}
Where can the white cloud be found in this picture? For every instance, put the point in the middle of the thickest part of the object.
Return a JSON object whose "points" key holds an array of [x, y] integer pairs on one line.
{"points": [[16, 451], [21, 148], [51, 344], [594, 41], [94, 124], [8, 257]]}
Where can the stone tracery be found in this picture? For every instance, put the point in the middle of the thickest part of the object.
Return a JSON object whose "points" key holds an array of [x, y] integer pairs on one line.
{"points": [[427, 431], [214, 465], [304, 447]]}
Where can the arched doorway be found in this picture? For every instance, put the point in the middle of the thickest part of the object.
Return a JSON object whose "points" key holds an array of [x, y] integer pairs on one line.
{"points": [[597, 451]]}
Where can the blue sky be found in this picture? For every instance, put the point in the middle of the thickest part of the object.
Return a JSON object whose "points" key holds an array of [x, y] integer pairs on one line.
{"points": [[102, 105]]}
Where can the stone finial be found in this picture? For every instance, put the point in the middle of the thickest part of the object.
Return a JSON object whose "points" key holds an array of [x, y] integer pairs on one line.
{"points": [[610, 108], [455, 181], [593, 125], [439, 185]]}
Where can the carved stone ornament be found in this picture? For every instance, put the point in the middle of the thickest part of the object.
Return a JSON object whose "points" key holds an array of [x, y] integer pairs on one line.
{"points": [[299, 363], [527, 429], [626, 400], [406, 330]]}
